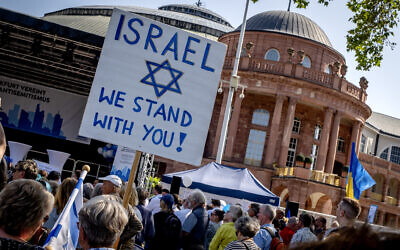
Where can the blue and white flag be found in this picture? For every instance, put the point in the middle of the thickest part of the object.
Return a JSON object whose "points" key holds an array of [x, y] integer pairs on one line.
{"points": [[65, 232]]}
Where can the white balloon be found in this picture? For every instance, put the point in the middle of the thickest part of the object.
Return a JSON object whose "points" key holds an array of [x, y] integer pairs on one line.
{"points": [[187, 181], [109, 154], [100, 150]]}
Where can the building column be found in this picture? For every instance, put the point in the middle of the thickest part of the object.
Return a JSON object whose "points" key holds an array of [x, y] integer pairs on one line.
{"points": [[274, 130], [330, 161], [396, 222], [323, 146], [220, 122], [287, 131], [354, 138], [382, 218], [233, 126]]}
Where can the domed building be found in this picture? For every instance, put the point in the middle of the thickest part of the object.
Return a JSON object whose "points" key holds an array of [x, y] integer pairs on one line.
{"points": [[95, 19], [293, 129], [299, 116]]}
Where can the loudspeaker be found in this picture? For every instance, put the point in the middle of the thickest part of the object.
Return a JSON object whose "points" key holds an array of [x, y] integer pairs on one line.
{"points": [[175, 185], [292, 209]]}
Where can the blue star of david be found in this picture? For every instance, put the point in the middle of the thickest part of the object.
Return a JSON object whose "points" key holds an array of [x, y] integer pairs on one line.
{"points": [[159, 88]]}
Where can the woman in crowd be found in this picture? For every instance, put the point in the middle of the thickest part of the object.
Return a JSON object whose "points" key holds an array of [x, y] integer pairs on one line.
{"points": [[24, 205], [227, 232], [246, 229], [167, 226], [61, 199]]}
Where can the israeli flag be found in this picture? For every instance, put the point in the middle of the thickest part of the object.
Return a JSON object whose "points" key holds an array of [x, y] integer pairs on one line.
{"points": [[65, 232]]}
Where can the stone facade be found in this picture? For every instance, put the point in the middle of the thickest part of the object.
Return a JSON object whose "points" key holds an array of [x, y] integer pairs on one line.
{"points": [[290, 92]]}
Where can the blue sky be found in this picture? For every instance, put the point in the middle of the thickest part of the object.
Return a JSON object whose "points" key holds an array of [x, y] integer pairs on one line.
{"points": [[384, 86]]}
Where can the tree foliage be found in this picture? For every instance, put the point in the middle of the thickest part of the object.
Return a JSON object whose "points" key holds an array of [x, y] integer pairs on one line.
{"points": [[374, 23]]}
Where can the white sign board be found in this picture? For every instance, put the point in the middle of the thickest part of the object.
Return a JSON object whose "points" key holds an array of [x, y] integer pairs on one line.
{"points": [[371, 213], [154, 88], [123, 161]]}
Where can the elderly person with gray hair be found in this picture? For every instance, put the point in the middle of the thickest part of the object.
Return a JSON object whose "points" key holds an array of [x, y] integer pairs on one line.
{"points": [[24, 206], [246, 229], [133, 227], [265, 216], [195, 226], [227, 232], [290, 229], [101, 222]]}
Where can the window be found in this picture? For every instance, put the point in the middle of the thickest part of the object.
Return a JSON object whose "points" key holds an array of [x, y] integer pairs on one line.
{"points": [[384, 154], [296, 125], [395, 155], [272, 55], [260, 117], [362, 144], [255, 147], [314, 155], [340, 145], [306, 62], [291, 152], [328, 69], [317, 132]]}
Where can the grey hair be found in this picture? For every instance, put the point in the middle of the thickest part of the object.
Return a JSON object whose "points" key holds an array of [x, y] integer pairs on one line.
{"points": [[103, 221], [268, 210], [247, 226], [292, 220], [198, 196], [236, 212], [87, 190], [97, 190], [23, 205]]}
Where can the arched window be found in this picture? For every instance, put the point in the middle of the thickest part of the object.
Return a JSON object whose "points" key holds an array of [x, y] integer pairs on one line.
{"points": [[395, 155], [255, 147], [384, 154], [260, 117], [272, 55], [328, 69], [307, 62]]}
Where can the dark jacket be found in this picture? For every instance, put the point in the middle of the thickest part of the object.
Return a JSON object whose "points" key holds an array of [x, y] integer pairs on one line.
{"points": [[195, 238], [148, 226], [168, 229]]}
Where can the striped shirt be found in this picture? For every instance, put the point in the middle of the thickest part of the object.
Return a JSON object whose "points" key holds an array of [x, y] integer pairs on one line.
{"points": [[242, 245]]}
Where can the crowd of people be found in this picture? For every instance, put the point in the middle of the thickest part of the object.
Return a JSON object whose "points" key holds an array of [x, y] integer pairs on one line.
{"points": [[32, 200]]}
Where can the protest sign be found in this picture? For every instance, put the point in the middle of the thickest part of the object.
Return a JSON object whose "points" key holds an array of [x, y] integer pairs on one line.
{"points": [[154, 88], [123, 162]]}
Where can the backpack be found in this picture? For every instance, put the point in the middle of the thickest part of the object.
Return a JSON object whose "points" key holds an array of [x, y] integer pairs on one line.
{"points": [[172, 228], [276, 243]]}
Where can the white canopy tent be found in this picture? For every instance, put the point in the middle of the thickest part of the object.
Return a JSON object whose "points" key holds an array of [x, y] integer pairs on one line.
{"points": [[234, 185]]}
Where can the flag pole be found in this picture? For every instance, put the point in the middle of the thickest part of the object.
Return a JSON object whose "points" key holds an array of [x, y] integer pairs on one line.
{"points": [[75, 191], [234, 82], [128, 190], [348, 172]]}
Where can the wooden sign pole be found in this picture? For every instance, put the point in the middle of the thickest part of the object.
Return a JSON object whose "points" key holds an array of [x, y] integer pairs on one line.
{"points": [[128, 190]]}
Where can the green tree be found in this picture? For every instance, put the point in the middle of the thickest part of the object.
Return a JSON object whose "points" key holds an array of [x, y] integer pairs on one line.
{"points": [[374, 23]]}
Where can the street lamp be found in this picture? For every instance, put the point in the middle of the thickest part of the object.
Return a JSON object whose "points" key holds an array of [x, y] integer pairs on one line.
{"points": [[234, 83]]}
